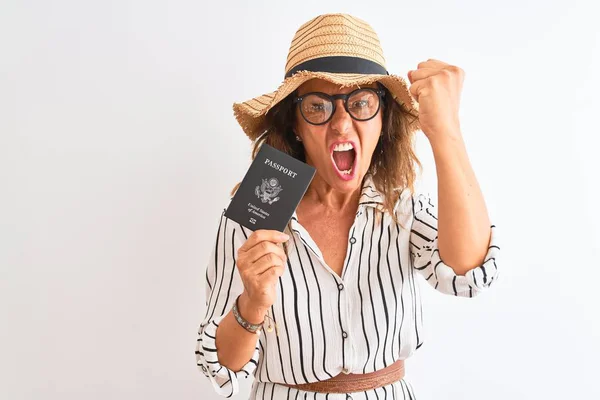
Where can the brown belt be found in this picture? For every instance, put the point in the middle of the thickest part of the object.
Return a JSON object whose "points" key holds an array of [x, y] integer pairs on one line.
{"points": [[349, 383]]}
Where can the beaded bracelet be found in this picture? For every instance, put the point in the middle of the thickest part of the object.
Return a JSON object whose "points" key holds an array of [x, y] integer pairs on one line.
{"points": [[252, 328]]}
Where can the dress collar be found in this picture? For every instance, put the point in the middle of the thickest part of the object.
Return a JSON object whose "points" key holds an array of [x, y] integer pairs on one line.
{"points": [[370, 196]]}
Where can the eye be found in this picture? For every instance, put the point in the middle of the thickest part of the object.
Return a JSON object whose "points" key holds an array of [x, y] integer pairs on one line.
{"points": [[360, 104], [316, 104], [316, 107]]}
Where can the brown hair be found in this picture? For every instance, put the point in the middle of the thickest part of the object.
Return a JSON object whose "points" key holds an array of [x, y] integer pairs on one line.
{"points": [[394, 159]]}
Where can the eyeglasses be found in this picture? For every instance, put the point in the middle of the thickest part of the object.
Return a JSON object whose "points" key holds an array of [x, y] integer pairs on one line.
{"points": [[318, 108]]}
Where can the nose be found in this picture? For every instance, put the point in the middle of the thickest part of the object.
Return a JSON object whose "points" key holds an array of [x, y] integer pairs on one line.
{"points": [[341, 121]]}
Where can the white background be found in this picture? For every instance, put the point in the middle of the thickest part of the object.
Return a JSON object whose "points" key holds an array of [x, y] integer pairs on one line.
{"points": [[118, 148]]}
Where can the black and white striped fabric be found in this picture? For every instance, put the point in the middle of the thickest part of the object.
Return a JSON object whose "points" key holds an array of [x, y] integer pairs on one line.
{"points": [[358, 322]]}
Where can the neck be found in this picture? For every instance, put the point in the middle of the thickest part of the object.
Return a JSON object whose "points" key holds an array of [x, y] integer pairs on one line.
{"points": [[321, 193]]}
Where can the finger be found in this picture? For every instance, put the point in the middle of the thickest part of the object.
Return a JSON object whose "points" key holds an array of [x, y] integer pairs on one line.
{"points": [[275, 270], [262, 235], [422, 73], [262, 248], [265, 262], [432, 63], [416, 88]]}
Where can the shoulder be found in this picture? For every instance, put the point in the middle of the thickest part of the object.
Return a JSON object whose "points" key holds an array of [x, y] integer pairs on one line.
{"points": [[406, 201], [412, 204], [422, 201]]}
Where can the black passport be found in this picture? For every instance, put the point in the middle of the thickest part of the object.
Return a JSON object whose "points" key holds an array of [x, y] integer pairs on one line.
{"points": [[270, 191]]}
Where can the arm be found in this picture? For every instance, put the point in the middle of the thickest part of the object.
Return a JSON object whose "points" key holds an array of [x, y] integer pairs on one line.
{"points": [[234, 343], [464, 225], [220, 356], [461, 260]]}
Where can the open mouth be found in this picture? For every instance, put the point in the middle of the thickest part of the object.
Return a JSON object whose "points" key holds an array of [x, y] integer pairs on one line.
{"points": [[344, 156]]}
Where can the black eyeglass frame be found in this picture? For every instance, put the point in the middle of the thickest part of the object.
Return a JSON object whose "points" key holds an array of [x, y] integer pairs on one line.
{"points": [[379, 92]]}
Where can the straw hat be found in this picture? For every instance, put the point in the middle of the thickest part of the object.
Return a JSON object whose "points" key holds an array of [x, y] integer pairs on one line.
{"points": [[338, 48]]}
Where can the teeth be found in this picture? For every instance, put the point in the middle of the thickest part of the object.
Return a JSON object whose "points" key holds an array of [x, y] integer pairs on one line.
{"points": [[343, 146], [347, 172]]}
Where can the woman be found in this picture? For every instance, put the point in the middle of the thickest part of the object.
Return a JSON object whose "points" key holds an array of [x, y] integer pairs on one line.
{"points": [[339, 303]]}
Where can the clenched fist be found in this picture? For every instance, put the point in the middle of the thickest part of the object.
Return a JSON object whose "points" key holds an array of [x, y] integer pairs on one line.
{"points": [[437, 87], [260, 261]]}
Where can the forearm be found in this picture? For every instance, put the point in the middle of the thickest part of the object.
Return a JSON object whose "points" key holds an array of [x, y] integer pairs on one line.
{"points": [[463, 221], [235, 345]]}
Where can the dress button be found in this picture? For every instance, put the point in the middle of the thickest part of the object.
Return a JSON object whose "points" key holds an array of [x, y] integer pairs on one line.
{"points": [[341, 286], [346, 371], [344, 335], [352, 240]]}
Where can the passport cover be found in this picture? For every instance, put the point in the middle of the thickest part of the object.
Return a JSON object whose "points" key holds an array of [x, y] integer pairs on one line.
{"points": [[270, 191]]}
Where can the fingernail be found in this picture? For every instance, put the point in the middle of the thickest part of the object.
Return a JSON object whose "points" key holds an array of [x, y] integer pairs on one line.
{"points": [[284, 236]]}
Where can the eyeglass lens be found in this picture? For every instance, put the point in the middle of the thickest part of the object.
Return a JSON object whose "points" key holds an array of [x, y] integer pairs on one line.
{"points": [[362, 105]]}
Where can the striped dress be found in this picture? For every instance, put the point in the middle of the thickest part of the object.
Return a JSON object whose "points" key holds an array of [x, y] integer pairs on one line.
{"points": [[359, 322]]}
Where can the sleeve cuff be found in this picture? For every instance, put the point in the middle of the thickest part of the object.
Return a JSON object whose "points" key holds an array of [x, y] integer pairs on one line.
{"points": [[224, 380], [475, 280]]}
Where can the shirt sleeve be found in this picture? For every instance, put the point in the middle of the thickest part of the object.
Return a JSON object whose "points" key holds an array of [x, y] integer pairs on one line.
{"points": [[426, 259], [223, 285]]}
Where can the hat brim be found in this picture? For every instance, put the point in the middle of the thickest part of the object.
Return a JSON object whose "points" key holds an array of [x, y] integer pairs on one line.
{"points": [[251, 114]]}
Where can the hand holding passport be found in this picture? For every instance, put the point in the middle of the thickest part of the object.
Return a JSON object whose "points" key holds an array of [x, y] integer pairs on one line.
{"points": [[270, 191], [266, 199]]}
